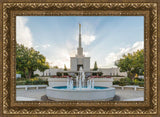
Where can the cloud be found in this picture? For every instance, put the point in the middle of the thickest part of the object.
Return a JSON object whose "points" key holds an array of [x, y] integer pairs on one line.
{"points": [[23, 33], [36, 46], [87, 39], [86, 53], [60, 55], [46, 46], [112, 57]]}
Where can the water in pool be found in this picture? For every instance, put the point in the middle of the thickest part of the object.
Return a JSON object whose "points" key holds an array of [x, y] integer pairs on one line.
{"points": [[65, 87]]}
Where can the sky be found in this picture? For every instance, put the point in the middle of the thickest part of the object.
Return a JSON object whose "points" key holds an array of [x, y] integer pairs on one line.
{"points": [[104, 38]]}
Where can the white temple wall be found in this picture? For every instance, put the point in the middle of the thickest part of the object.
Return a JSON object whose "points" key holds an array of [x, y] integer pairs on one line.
{"points": [[112, 72], [73, 64], [86, 64], [105, 71], [48, 72]]}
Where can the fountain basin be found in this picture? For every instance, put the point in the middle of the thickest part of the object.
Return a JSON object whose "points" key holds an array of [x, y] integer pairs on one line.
{"points": [[97, 93]]}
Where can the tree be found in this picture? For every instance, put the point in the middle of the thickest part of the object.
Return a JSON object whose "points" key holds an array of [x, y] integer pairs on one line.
{"points": [[132, 63], [28, 60], [95, 66], [43, 67], [21, 56], [65, 68]]}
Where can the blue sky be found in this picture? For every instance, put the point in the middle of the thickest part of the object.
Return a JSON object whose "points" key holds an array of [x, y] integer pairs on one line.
{"points": [[104, 38]]}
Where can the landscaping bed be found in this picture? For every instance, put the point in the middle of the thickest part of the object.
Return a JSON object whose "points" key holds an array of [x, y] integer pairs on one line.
{"points": [[31, 81], [129, 81]]}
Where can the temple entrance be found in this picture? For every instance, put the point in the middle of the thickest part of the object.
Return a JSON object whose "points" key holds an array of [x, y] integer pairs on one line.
{"points": [[78, 67]]}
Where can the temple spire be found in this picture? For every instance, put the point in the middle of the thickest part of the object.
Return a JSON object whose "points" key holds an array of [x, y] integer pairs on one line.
{"points": [[79, 35], [80, 49]]}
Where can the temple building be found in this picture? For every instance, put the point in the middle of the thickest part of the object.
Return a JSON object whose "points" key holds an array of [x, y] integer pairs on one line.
{"points": [[80, 60]]}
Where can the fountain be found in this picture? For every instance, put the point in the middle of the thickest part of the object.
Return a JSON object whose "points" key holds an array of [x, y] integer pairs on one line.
{"points": [[84, 89], [80, 82]]}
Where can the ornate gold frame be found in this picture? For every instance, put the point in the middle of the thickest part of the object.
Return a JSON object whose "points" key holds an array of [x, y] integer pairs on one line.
{"points": [[11, 9]]}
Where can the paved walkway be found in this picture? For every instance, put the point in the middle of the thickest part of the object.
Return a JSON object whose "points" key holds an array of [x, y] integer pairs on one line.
{"points": [[123, 94], [31, 93], [129, 94]]}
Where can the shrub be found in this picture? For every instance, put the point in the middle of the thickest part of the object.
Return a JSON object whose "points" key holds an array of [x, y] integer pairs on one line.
{"points": [[100, 74], [116, 82], [141, 84], [36, 75], [94, 74], [122, 83], [28, 82], [20, 82], [66, 74], [35, 81], [136, 81], [32, 81], [140, 79], [21, 79], [126, 81], [131, 83], [59, 74]]}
